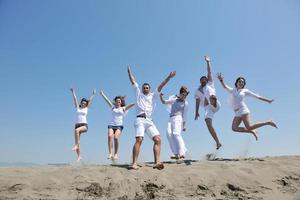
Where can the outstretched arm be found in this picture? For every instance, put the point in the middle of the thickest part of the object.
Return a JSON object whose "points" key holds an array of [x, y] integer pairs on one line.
{"points": [[91, 98], [209, 74], [131, 77], [110, 104], [74, 97], [162, 98], [164, 82], [221, 79], [129, 106], [197, 109], [266, 99]]}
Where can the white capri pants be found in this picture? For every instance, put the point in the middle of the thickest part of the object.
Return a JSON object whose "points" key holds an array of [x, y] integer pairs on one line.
{"points": [[174, 135]]}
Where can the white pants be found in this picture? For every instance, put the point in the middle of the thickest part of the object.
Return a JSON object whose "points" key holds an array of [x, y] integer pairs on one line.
{"points": [[174, 135], [143, 125]]}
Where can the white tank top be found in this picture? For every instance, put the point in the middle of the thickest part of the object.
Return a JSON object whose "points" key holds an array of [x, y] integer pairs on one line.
{"points": [[117, 116], [81, 115]]}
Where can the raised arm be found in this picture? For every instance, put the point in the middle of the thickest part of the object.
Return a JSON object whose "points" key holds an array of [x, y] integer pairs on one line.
{"points": [[129, 106], [164, 82], [209, 74], [91, 98], [221, 79], [74, 97], [110, 104], [162, 98], [131, 77]]}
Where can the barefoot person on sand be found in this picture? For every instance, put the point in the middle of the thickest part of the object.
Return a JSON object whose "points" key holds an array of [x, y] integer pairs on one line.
{"points": [[145, 104], [205, 96], [115, 127], [177, 122], [242, 113], [81, 125]]}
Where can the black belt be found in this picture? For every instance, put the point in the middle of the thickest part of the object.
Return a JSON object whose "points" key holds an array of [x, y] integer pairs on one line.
{"points": [[143, 115]]}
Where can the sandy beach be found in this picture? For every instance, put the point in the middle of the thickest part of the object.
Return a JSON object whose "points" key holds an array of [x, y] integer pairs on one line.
{"points": [[252, 178]]}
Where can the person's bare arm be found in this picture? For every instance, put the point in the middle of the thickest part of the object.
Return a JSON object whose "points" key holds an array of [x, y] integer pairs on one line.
{"points": [[74, 97], [221, 79], [91, 98], [110, 104], [162, 98], [129, 106], [209, 74], [131, 77], [164, 82]]}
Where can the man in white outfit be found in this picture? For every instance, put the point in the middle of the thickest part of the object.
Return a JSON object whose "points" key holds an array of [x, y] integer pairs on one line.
{"points": [[205, 96], [145, 104]]}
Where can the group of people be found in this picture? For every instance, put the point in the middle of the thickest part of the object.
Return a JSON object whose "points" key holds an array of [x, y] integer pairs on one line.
{"points": [[177, 105]]}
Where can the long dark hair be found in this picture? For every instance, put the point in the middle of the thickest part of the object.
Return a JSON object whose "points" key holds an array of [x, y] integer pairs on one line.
{"points": [[240, 78], [122, 100]]}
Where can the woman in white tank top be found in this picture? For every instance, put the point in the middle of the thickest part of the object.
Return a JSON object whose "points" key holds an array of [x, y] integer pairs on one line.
{"points": [[81, 124], [242, 113], [115, 126]]}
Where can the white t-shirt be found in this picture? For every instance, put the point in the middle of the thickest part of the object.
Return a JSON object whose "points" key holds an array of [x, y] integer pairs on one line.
{"points": [[145, 103], [237, 97], [81, 115], [117, 116]]}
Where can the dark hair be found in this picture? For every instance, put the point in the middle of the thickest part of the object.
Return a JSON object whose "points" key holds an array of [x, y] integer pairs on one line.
{"points": [[122, 98], [183, 89], [203, 78], [84, 100], [240, 78], [146, 84]]}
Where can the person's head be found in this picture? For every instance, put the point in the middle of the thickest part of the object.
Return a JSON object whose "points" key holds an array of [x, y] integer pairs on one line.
{"points": [[203, 81], [240, 82], [84, 103], [119, 101], [183, 92], [146, 88]]}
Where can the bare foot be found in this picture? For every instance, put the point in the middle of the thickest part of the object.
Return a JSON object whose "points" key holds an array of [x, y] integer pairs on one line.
{"points": [[115, 157], [75, 147], [173, 157], [218, 146], [109, 157], [271, 123], [79, 158], [159, 166], [254, 132], [134, 166]]}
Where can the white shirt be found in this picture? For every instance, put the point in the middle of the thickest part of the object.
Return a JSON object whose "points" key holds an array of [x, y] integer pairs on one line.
{"points": [[199, 95], [209, 89], [177, 107], [237, 97], [145, 103], [81, 115], [117, 116]]}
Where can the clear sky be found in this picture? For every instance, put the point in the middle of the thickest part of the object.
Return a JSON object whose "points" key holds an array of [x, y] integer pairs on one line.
{"points": [[46, 47]]}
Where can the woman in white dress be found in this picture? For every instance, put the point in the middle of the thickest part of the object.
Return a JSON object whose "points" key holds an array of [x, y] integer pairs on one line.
{"points": [[115, 127], [242, 112], [81, 125]]}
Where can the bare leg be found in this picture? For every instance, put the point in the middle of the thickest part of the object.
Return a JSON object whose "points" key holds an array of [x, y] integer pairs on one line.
{"points": [[246, 120], [116, 143], [136, 151], [156, 148], [110, 137], [76, 147], [212, 132], [235, 127]]}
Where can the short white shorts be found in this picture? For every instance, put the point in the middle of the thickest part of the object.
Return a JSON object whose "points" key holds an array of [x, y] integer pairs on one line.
{"points": [[211, 110], [241, 111], [143, 125]]}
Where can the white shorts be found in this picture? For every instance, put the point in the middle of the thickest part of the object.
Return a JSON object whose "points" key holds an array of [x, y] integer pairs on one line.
{"points": [[143, 125], [211, 110], [241, 111]]}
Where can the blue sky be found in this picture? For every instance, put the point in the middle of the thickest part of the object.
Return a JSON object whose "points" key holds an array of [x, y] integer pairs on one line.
{"points": [[46, 47]]}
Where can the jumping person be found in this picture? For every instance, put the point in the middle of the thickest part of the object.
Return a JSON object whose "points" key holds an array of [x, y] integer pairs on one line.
{"points": [[81, 125], [242, 113], [205, 95], [115, 127], [145, 105], [178, 110]]}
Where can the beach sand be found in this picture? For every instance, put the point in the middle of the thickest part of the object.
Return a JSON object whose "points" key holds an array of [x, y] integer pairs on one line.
{"points": [[254, 178]]}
